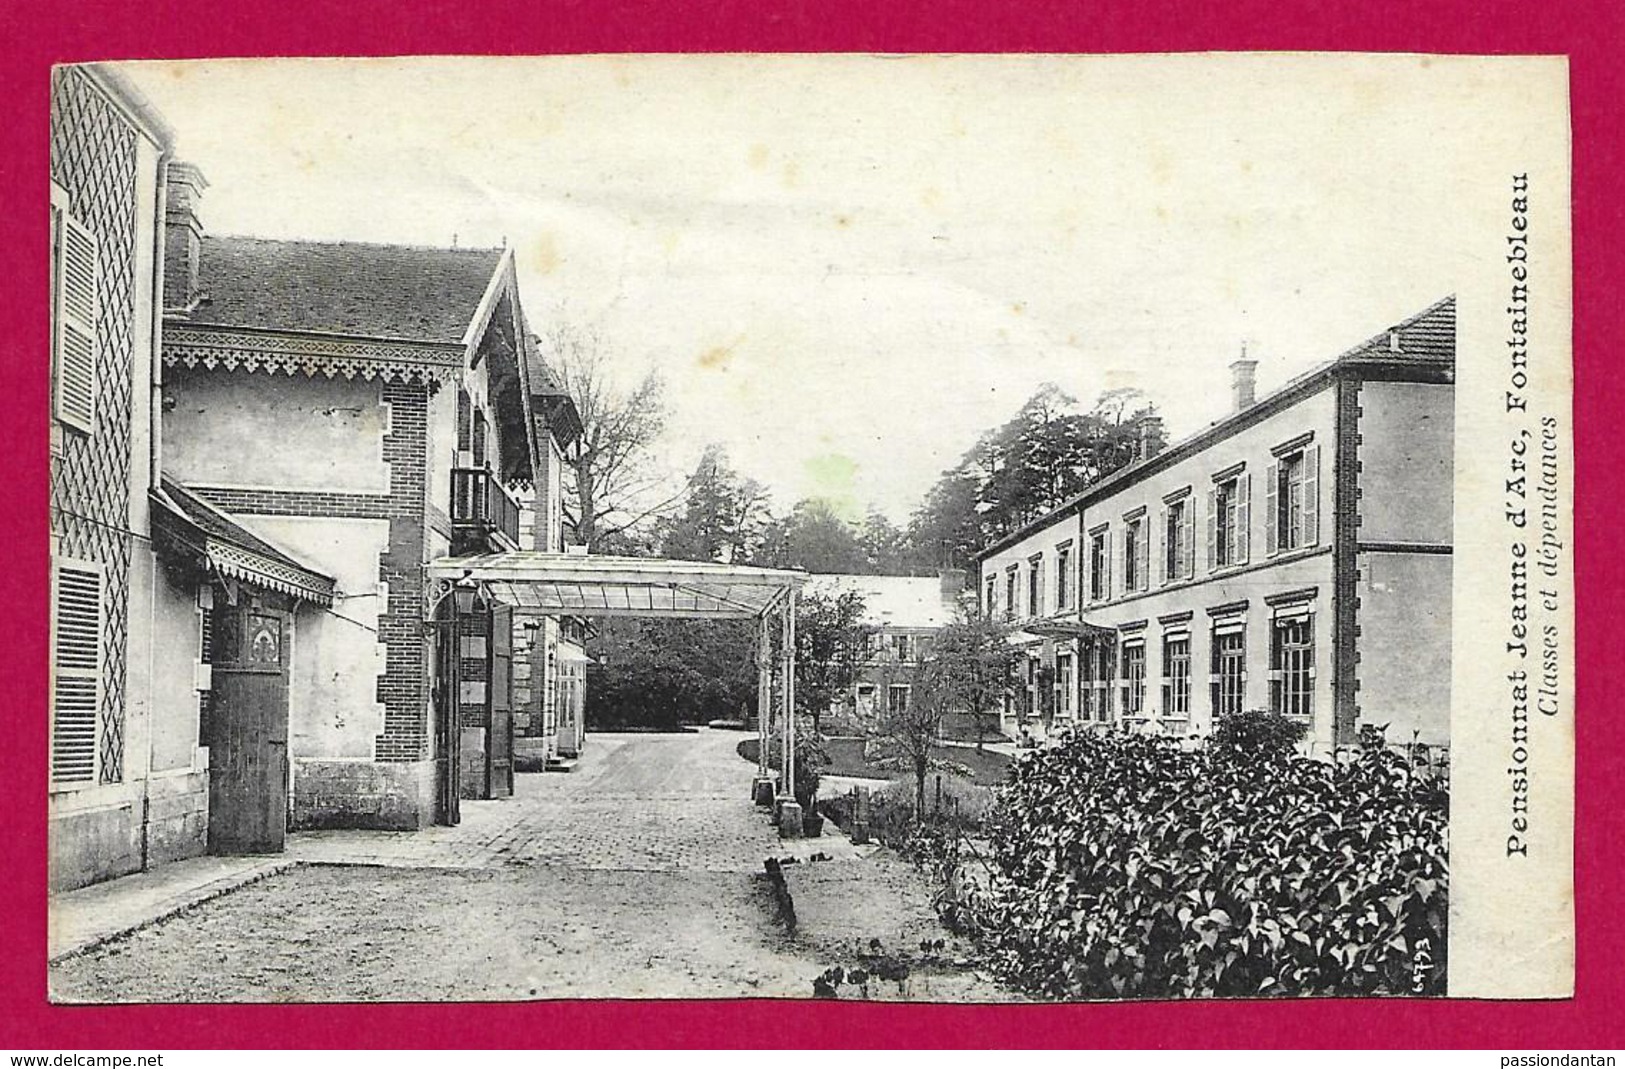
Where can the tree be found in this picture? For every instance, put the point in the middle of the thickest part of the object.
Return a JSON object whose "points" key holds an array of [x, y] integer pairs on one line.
{"points": [[724, 515], [1047, 452], [976, 665], [910, 726], [664, 673], [884, 547], [830, 638], [813, 538], [608, 484]]}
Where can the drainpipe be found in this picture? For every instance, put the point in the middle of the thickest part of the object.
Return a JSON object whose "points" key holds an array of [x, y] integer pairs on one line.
{"points": [[155, 415]]}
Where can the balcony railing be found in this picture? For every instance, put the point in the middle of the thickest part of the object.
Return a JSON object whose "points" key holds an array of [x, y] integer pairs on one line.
{"points": [[481, 507]]}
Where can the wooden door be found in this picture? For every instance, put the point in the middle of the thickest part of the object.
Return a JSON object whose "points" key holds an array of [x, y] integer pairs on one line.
{"points": [[447, 729], [499, 735], [248, 727]]}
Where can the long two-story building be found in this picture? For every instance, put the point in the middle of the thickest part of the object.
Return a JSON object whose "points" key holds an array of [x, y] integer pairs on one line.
{"points": [[1294, 556]]}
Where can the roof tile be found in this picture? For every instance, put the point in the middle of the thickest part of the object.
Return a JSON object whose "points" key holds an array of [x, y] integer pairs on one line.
{"points": [[406, 292]]}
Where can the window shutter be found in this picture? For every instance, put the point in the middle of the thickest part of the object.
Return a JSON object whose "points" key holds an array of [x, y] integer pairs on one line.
{"points": [[1244, 493], [1212, 529], [1169, 537], [76, 282], [1311, 495], [76, 614], [1272, 510], [1187, 534], [1142, 570], [1106, 557]]}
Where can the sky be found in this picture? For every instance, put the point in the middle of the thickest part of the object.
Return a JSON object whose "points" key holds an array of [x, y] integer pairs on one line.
{"points": [[847, 268]]}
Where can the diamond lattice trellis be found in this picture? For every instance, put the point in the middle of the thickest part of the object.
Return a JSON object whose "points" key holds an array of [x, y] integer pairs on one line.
{"points": [[93, 158]]}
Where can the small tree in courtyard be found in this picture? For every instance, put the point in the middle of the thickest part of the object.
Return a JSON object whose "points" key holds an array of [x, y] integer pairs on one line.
{"points": [[910, 723], [830, 636], [974, 664]]}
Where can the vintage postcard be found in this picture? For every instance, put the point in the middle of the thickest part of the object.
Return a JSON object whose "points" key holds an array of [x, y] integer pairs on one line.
{"points": [[930, 528]]}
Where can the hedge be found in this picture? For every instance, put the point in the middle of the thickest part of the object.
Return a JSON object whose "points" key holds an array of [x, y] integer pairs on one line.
{"points": [[1124, 867]]}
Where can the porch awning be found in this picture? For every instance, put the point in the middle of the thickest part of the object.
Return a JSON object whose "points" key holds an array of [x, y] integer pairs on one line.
{"points": [[184, 522], [1053, 628], [568, 584]]}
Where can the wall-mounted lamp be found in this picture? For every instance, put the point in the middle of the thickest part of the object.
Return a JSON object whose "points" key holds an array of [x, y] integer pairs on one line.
{"points": [[463, 593]]}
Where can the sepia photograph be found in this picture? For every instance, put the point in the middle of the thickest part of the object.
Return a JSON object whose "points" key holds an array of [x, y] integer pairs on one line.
{"points": [[956, 529]]}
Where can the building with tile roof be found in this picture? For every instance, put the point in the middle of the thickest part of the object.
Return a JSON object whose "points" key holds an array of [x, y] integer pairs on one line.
{"points": [[1294, 556], [366, 409], [905, 613]]}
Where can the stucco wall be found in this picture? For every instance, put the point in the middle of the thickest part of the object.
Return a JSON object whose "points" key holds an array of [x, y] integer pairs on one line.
{"points": [[334, 710], [1407, 438], [1260, 577], [175, 658], [1044, 541], [1253, 587], [272, 430], [1404, 669]]}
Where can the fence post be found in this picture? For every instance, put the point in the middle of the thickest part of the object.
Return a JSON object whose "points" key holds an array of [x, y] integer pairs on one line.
{"points": [[937, 808]]}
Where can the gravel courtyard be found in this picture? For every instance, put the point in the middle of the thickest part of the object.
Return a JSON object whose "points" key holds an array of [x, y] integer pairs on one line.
{"points": [[639, 875]]}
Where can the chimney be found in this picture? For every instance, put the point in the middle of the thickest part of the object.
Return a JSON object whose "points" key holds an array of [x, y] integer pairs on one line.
{"points": [[1150, 436], [951, 582], [1243, 381], [183, 235]]}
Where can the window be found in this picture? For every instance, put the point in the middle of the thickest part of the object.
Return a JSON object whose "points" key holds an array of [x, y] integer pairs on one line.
{"points": [[990, 604], [479, 438], [1176, 676], [1063, 684], [1292, 491], [1010, 593], [1178, 531], [1292, 666], [76, 624], [74, 282], [897, 699], [1098, 681], [1227, 520], [905, 647], [1100, 565], [1134, 678], [1063, 575], [1229, 679], [1035, 585], [1136, 555]]}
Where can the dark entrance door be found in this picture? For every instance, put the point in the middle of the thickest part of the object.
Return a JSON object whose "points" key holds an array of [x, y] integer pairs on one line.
{"points": [[499, 737], [447, 729], [248, 726]]}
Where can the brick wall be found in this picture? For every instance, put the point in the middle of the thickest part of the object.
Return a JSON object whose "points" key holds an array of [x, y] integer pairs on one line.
{"points": [[402, 688], [265, 502], [1345, 567]]}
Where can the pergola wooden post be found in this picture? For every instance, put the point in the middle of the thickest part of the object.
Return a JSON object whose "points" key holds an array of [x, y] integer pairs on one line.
{"points": [[762, 790], [789, 808], [567, 584]]}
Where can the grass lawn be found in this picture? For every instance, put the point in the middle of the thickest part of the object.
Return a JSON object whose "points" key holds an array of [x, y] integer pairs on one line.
{"points": [[987, 769]]}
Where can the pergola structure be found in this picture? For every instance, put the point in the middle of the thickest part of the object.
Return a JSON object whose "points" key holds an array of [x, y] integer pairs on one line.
{"points": [[569, 584]]}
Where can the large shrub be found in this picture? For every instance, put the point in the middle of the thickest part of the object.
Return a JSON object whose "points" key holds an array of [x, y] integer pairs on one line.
{"points": [[1124, 867]]}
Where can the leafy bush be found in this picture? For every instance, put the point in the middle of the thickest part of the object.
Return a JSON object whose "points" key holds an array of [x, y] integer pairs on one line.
{"points": [[1123, 866], [810, 761], [1250, 735]]}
